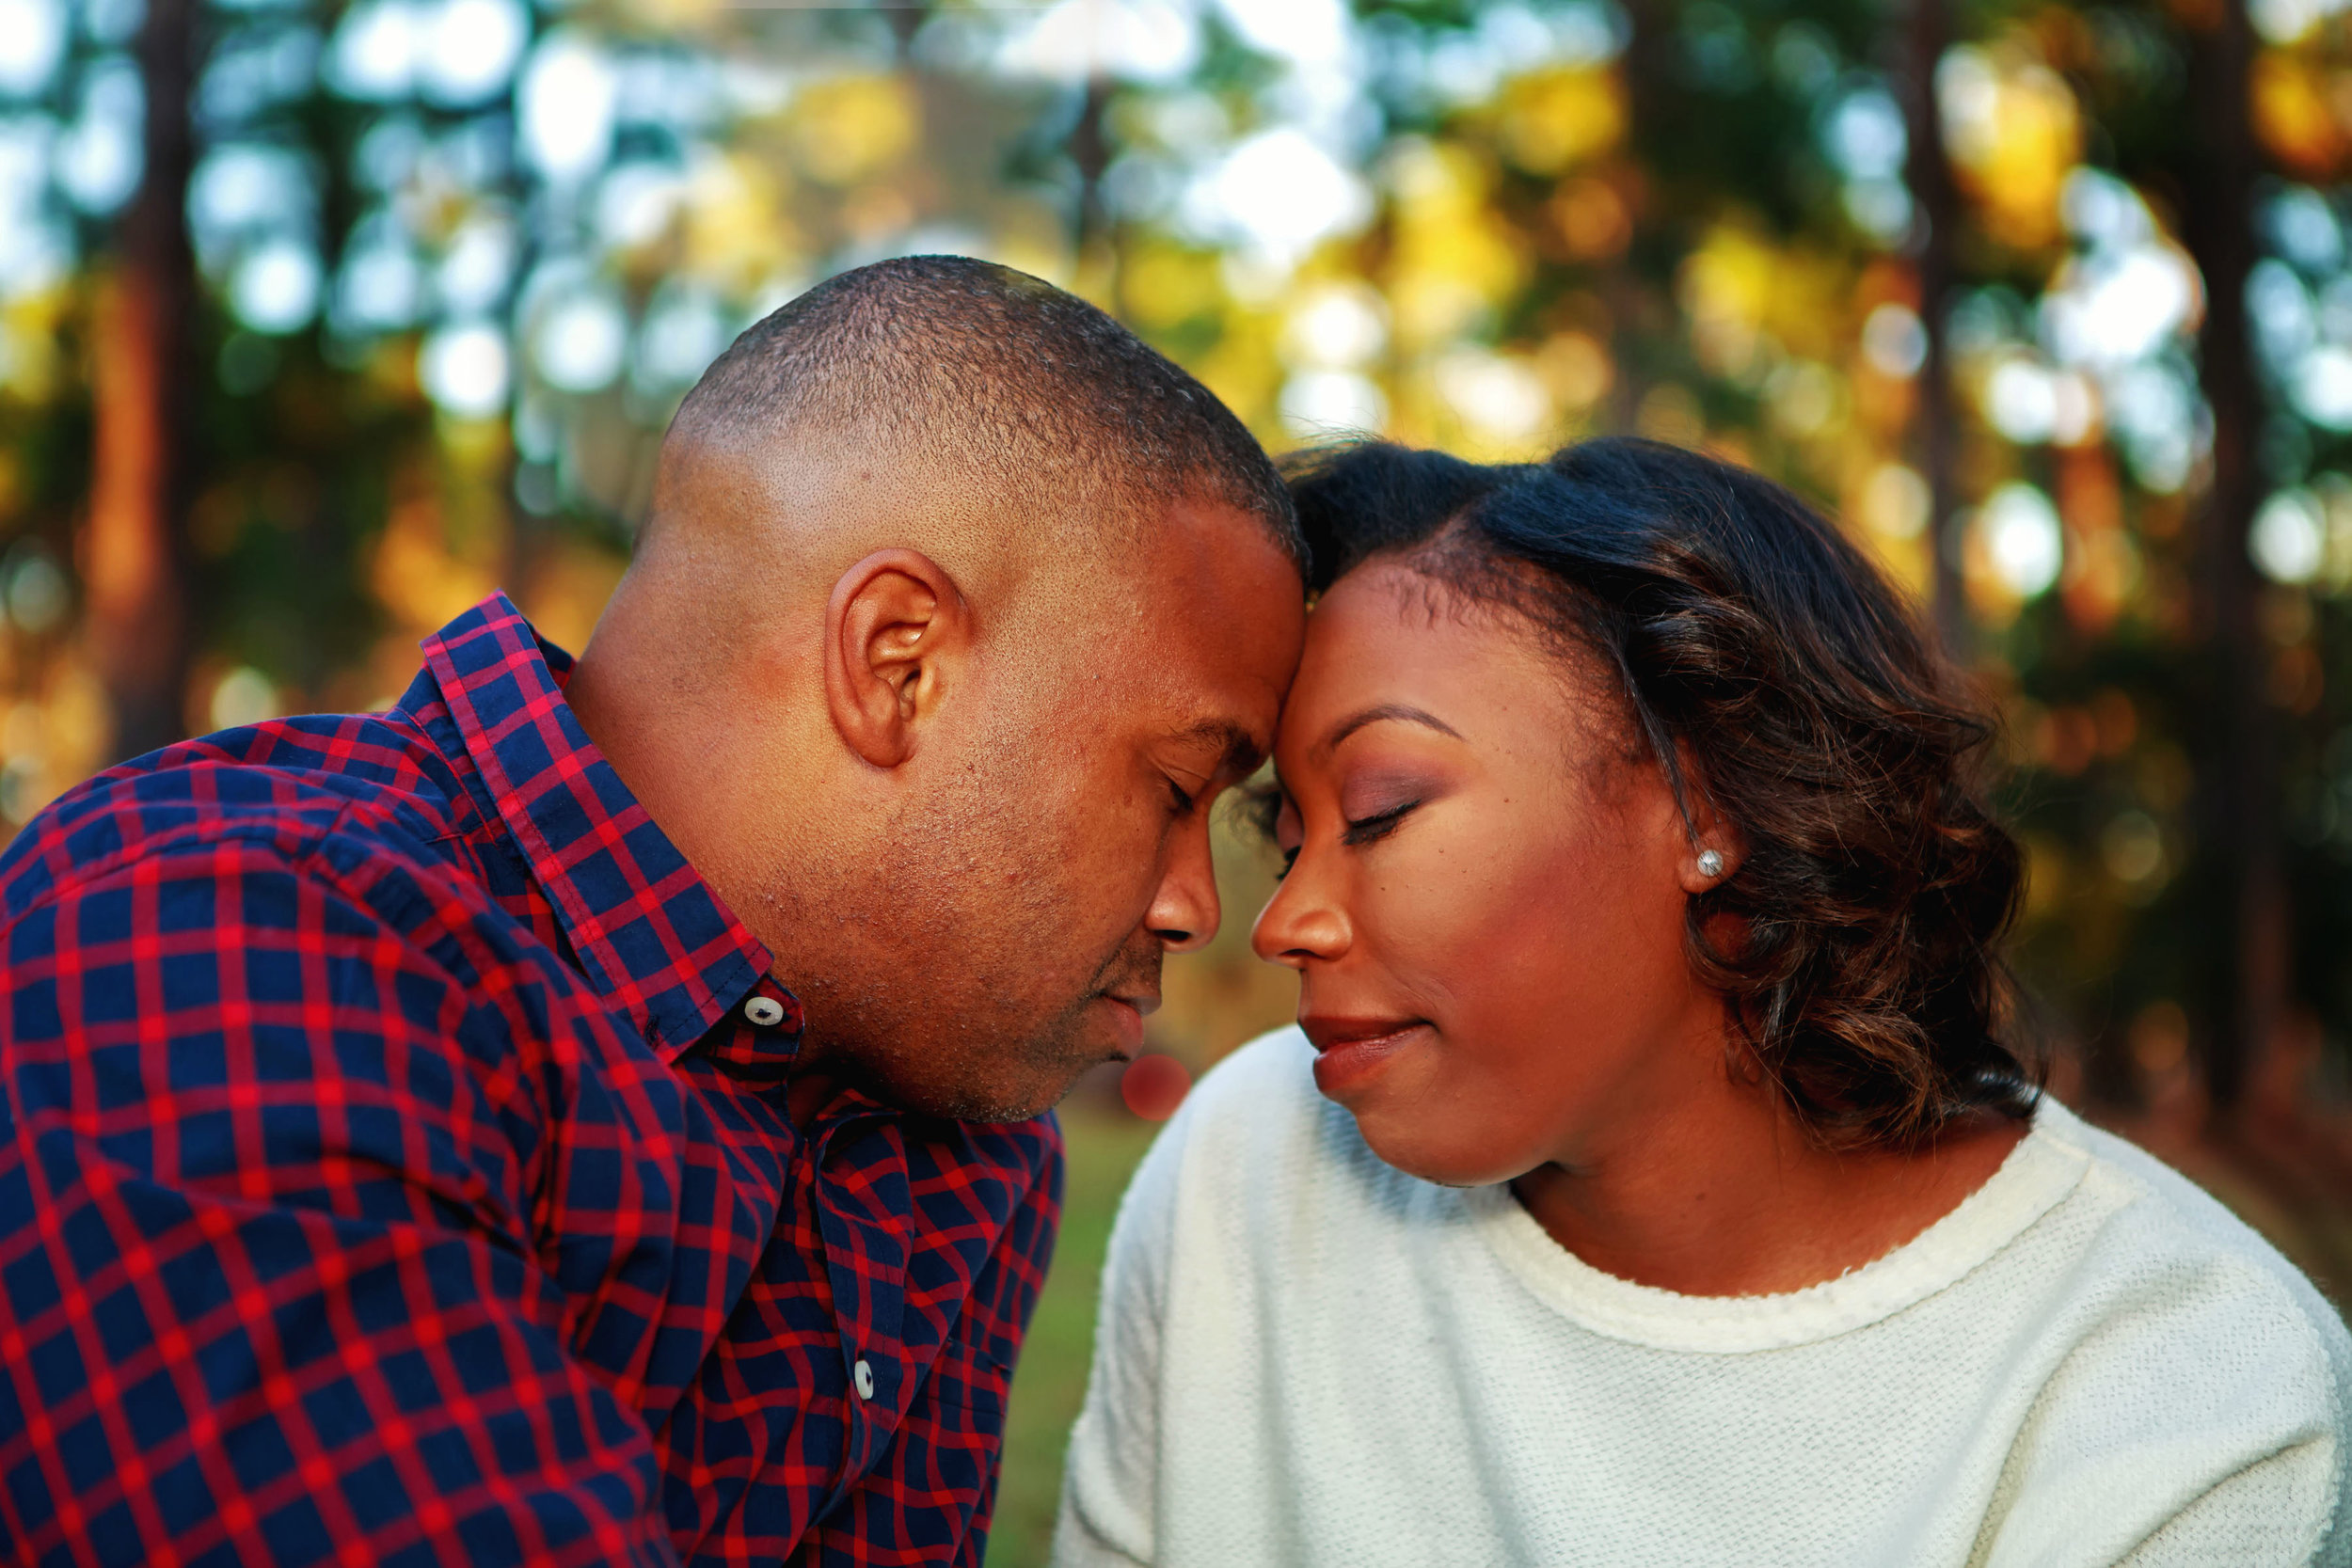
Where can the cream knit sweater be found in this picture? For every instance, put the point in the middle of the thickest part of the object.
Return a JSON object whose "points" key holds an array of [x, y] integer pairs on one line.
{"points": [[1307, 1357]]}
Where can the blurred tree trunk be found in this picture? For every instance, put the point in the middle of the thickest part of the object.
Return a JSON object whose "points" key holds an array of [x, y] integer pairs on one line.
{"points": [[135, 565], [2238, 769], [1097, 271], [1647, 65], [906, 19], [1927, 33]]}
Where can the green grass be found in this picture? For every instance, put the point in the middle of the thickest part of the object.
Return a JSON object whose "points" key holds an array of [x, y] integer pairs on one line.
{"points": [[1049, 1381]]}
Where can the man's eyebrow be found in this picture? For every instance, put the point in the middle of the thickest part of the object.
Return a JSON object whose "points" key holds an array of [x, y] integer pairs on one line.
{"points": [[1402, 712], [1241, 753]]}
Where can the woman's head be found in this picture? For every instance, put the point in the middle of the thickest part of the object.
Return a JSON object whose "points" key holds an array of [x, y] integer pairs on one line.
{"points": [[1589, 759]]}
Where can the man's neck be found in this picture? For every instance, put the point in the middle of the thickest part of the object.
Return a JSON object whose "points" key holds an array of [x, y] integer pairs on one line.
{"points": [[688, 764], [681, 771]]}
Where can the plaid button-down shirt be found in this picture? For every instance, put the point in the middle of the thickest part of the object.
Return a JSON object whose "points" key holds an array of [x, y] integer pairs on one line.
{"points": [[394, 1170]]}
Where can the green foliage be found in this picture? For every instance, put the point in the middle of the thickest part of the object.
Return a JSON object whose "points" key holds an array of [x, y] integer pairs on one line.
{"points": [[1491, 224]]}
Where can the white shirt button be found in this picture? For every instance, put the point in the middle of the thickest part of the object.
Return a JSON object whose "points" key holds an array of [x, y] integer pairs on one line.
{"points": [[863, 1375], [764, 1011]]}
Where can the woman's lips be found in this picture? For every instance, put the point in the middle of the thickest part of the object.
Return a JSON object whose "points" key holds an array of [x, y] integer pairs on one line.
{"points": [[1350, 1052]]}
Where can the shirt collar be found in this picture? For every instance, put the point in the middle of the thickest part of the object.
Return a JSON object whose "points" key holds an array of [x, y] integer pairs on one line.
{"points": [[652, 935]]}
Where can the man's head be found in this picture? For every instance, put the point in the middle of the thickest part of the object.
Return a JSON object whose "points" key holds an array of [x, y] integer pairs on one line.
{"points": [[957, 606]]}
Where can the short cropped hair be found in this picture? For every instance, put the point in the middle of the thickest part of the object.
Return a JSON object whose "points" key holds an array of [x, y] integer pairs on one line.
{"points": [[992, 370], [1751, 638]]}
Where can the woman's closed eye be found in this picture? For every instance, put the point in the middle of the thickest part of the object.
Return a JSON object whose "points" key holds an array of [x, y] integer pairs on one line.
{"points": [[1379, 825], [1357, 830]]}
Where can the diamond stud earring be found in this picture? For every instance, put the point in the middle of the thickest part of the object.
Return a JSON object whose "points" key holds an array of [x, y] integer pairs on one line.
{"points": [[1711, 863]]}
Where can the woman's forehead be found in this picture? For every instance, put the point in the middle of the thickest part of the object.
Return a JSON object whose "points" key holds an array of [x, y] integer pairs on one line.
{"points": [[1372, 646], [1388, 625]]}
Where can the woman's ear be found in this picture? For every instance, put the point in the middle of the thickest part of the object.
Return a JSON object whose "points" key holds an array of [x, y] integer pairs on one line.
{"points": [[1716, 848], [894, 628]]}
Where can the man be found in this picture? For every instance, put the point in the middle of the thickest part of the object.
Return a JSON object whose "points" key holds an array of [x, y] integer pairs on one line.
{"points": [[579, 1115]]}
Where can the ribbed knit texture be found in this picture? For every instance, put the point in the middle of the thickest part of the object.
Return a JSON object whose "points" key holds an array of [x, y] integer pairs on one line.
{"points": [[1306, 1357]]}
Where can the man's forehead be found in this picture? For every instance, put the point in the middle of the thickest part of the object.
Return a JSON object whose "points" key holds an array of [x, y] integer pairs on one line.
{"points": [[1195, 533]]}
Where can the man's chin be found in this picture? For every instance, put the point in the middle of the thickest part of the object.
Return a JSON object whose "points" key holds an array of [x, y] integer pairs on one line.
{"points": [[1034, 1093], [1001, 1074]]}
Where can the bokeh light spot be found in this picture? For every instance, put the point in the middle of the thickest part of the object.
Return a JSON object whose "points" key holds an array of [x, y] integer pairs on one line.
{"points": [[466, 370], [1154, 1086], [568, 97], [1895, 340], [2022, 539], [276, 289], [469, 49], [2289, 539], [244, 696], [31, 41], [580, 344]]}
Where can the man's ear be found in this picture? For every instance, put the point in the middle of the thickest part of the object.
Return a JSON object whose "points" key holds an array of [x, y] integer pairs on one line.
{"points": [[894, 626]]}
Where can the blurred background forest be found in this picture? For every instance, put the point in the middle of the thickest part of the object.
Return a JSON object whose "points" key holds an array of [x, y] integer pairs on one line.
{"points": [[320, 320]]}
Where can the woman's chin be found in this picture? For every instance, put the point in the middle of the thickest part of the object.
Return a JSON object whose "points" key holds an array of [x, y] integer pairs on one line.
{"points": [[1432, 1155]]}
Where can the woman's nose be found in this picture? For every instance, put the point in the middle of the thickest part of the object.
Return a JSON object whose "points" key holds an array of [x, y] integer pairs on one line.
{"points": [[1301, 923]]}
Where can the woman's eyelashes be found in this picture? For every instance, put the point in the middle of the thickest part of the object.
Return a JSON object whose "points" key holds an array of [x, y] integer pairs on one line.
{"points": [[1354, 832], [1379, 825], [1282, 822]]}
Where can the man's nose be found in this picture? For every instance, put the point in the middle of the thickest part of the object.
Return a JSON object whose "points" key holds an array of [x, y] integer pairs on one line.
{"points": [[1184, 910]]}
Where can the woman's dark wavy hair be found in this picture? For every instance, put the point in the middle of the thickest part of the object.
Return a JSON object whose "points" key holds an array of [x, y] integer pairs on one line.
{"points": [[1756, 644]]}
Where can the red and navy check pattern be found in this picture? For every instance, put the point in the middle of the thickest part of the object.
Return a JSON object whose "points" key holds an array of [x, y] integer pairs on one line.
{"points": [[388, 1173]]}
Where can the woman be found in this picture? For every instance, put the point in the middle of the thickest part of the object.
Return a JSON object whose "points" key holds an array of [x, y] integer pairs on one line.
{"points": [[1672, 1193]]}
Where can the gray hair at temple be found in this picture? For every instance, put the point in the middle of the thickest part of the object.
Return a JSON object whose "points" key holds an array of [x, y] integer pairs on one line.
{"points": [[977, 367]]}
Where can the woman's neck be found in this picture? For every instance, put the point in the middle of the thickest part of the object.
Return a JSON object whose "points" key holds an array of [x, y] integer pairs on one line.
{"points": [[1719, 1193]]}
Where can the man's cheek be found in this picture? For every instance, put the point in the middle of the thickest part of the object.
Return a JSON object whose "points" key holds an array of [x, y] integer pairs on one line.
{"points": [[1117, 840]]}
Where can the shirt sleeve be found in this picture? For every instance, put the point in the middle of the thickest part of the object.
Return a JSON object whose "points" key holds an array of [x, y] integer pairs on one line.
{"points": [[2263, 1517], [1110, 1480], [271, 1288], [2202, 1423]]}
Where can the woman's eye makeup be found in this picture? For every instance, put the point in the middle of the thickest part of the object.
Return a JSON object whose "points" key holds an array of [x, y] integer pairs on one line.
{"points": [[1378, 825], [1373, 801], [1379, 811]]}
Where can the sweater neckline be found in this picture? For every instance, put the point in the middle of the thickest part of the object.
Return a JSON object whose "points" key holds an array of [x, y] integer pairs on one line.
{"points": [[2038, 1174]]}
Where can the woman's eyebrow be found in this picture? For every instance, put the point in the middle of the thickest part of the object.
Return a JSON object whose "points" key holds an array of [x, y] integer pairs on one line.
{"points": [[1402, 712]]}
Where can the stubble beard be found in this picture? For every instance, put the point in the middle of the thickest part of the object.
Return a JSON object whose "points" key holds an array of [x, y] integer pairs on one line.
{"points": [[986, 1063], [931, 999]]}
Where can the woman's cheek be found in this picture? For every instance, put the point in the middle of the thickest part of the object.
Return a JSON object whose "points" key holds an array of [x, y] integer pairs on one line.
{"points": [[1432, 890], [1480, 1104], [1459, 1123], [1536, 970]]}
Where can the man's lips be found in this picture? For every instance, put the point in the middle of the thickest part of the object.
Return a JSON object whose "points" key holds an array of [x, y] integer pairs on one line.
{"points": [[1127, 1015], [1350, 1051]]}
